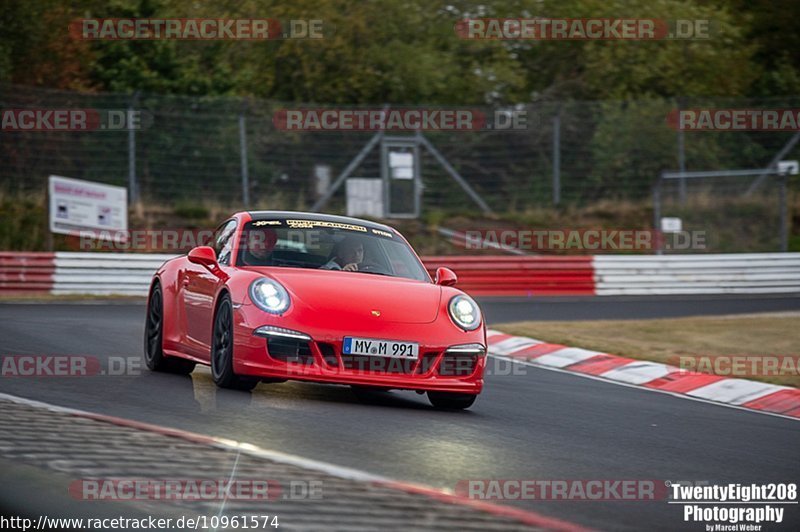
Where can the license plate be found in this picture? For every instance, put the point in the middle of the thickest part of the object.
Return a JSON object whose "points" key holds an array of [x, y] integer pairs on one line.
{"points": [[380, 348]]}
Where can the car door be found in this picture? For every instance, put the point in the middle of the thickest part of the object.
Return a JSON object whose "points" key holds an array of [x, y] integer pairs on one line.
{"points": [[199, 286]]}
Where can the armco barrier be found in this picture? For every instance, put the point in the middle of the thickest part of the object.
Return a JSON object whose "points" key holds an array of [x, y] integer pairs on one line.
{"points": [[121, 273], [105, 273], [130, 273], [26, 272], [753, 273], [519, 276]]}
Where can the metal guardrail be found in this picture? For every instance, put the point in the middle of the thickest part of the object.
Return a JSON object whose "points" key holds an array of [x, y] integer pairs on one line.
{"points": [[26, 272], [519, 276], [105, 273], [119, 273], [130, 273], [752, 273]]}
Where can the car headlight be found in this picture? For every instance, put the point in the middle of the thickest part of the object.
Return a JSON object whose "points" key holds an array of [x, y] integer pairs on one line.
{"points": [[465, 312], [269, 295]]}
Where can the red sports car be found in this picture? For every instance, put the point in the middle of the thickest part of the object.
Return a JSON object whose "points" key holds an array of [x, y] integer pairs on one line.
{"points": [[290, 295]]}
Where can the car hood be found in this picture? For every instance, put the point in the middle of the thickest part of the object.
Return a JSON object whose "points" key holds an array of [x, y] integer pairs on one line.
{"points": [[352, 295]]}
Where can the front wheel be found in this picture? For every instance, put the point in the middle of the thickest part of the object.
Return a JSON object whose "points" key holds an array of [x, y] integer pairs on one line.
{"points": [[451, 401], [222, 350], [154, 357]]}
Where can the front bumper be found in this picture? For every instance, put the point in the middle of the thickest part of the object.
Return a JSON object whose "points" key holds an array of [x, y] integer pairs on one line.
{"points": [[316, 355]]}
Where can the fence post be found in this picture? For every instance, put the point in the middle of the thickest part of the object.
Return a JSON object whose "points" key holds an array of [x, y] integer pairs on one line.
{"points": [[657, 216], [773, 164], [133, 187], [681, 157], [784, 215], [557, 157], [243, 153]]}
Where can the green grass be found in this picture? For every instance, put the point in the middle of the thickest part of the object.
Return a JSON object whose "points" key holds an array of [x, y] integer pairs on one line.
{"points": [[667, 340]]}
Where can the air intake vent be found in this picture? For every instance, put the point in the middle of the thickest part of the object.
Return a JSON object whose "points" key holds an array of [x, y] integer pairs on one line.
{"points": [[289, 350], [457, 364], [329, 354]]}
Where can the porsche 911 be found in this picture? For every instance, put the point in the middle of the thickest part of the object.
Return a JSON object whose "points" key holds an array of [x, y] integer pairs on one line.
{"points": [[280, 296]]}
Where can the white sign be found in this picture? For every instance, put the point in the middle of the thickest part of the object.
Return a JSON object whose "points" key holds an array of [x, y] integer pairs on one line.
{"points": [[401, 165], [79, 207], [322, 179], [788, 167], [365, 197], [671, 225]]}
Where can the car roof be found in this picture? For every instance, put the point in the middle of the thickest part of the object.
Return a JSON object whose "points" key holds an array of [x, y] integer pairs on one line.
{"points": [[315, 216]]}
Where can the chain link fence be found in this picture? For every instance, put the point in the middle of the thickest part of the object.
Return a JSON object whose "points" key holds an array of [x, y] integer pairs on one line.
{"points": [[228, 151], [718, 211]]}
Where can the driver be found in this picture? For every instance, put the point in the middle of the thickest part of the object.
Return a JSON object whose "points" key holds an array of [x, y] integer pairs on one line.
{"points": [[347, 255], [259, 244]]}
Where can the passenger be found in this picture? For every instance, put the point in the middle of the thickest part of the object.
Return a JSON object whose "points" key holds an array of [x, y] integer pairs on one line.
{"points": [[259, 244]]}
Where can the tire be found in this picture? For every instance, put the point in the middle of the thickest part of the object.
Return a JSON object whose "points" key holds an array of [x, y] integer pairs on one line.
{"points": [[222, 345], [154, 357], [451, 401]]}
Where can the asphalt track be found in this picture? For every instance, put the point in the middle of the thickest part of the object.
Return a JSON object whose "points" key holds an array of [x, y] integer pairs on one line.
{"points": [[535, 425]]}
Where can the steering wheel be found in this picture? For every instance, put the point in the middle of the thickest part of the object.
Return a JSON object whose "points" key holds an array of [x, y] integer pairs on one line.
{"points": [[371, 267]]}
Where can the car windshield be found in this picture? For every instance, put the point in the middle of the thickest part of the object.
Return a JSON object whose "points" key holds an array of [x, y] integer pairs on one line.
{"points": [[327, 245]]}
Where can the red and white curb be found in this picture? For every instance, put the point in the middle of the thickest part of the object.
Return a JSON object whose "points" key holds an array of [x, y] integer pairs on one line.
{"points": [[740, 393]]}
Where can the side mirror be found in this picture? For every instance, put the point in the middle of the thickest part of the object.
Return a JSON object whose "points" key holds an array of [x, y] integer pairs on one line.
{"points": [[445, 277], [204, 256]]}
